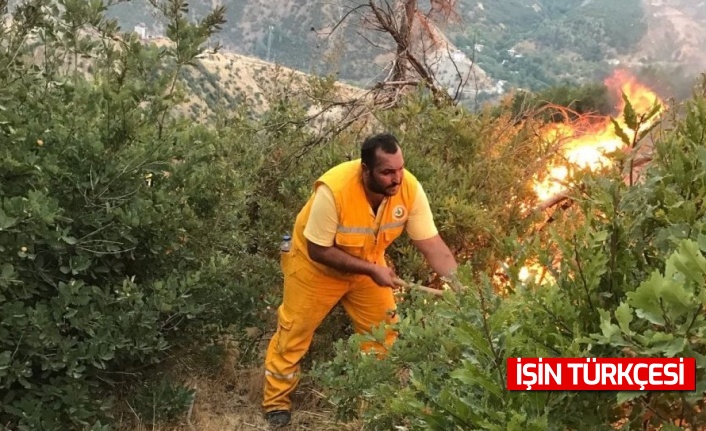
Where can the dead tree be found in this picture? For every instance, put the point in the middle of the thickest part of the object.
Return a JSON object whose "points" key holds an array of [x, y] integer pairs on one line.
{"points": [[415, 41]]}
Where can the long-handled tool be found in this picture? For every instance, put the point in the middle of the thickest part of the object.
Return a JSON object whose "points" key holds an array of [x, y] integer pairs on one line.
{"points": [[402, 283]]}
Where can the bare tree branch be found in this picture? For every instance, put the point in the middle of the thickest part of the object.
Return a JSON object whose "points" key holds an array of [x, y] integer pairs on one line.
{"points": [[344, 18], [413, 37]]}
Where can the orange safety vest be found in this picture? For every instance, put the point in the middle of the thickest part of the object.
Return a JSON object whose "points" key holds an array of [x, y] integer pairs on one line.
{"points": [[357, 232]]}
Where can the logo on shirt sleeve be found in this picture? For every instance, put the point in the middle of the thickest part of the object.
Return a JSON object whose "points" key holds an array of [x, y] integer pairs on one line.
{"points": [[399, 212]]}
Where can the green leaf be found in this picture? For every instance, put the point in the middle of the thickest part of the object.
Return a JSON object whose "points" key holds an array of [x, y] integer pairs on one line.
{"points": [[79, 263], [645, 299], [474, 339], [5, 359], [629, 114], [688, 260], [5, 221], [472, 377], [623, 315], [619, 131], [697, 395], [678, 301], [666, 345], [624, 396], [654, 111], [609, 329], [7, 271], [600, 237], [702, 242]]}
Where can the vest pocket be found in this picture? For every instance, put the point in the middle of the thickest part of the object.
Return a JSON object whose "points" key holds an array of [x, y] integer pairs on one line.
{"points": [[390, 235], [352, 243]]}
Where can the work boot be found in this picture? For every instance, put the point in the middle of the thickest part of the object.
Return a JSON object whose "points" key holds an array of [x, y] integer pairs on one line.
{"points": [[278, 418]]}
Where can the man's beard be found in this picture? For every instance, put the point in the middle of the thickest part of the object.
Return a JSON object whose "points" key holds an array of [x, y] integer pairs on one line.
{"points": [[378, 188]]}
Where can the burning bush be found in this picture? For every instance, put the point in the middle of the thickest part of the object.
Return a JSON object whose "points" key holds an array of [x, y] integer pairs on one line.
{"points": [[627, 267]]}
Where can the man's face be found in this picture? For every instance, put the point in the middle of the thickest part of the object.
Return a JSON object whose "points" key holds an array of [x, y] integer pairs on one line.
{"points": [[386, 176]]}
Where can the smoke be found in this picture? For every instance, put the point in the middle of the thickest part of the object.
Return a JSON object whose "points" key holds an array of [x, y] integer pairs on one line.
{"points": [[670, 57]]}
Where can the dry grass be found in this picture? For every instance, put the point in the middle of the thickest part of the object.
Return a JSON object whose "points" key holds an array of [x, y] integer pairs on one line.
{"points": [[231, 401], [229, 397]]}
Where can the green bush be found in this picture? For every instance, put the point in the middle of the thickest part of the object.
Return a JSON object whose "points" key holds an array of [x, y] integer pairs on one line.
{"points": [[474, 170], [120, 224], [628, 269]]}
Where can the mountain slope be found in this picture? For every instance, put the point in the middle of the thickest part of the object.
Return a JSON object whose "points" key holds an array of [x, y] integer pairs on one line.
{"points": [[676, 33], [531, 44], [540, 43], [298, 34]]}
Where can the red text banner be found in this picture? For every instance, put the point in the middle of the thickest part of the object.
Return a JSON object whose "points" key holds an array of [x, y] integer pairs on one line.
{"points": [[601, 374]]}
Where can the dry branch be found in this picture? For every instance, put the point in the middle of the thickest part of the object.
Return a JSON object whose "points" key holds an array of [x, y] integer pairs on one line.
{"points": [[548, 203], [408, 27]]}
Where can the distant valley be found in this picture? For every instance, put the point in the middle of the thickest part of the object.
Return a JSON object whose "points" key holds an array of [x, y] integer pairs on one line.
{"points": [[530, 44]]}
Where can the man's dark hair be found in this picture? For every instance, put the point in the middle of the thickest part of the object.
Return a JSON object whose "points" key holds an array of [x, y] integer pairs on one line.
{"points": [[387, 142]]}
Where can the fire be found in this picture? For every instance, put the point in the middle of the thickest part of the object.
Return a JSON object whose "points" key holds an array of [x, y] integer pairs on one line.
{"points": [[586, 143]]}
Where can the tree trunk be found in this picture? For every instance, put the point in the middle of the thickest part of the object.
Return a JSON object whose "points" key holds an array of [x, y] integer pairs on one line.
{"points": [[404, 42]]}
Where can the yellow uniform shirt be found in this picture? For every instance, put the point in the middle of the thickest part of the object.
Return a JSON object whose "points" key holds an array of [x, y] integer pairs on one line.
{"points": [[323, 219]]}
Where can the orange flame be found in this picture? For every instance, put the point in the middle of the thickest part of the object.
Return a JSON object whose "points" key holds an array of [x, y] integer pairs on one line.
{"points": [[584, 145], [586, 142]]}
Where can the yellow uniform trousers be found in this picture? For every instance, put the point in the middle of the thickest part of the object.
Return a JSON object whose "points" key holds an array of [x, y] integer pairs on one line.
{"points": [[308, 297]]}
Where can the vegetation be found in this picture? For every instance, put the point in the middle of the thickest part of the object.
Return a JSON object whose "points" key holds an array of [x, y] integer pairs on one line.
{"points": [[130, 233], [588, 99], [553, 42], [560, 41], [122, 229], [626, 278]]}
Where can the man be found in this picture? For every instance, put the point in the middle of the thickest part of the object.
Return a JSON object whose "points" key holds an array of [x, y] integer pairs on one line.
{"points": [[357, 210]]}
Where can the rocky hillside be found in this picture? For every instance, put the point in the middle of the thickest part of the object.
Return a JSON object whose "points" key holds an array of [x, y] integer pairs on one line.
{"points": [[676, 34], [225, 80], [529, 44], [289, 32], [669, 57], [299, 34]]}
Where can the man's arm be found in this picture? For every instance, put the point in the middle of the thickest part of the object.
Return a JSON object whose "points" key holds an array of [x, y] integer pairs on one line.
{"points": [[438, 255], [425, 236], [320, 233], [338, 259]]}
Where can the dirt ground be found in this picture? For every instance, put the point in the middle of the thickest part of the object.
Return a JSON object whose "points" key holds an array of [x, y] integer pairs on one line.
{"points": [[229, 397], [231, 401]]}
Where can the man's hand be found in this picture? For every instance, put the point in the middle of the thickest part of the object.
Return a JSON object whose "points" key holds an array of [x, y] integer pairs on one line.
{"points": [[384, 276], [338, 259]]}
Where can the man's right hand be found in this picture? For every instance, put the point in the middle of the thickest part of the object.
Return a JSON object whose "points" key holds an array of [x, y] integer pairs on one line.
{"points": [[384, 276], [338, 259]]}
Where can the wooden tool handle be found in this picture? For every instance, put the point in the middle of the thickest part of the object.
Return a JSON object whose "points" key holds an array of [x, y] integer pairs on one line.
{"points": [[402, 283]]}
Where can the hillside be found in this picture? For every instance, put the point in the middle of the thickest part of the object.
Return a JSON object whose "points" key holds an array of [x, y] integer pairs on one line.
{"points": [[299, 35], [675, 36], [539, 43], [532, 44], [581, 35], [279, 32], [225, 80]]}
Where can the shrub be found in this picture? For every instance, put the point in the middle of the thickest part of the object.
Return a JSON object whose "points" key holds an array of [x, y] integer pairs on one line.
{"points": [[118, 221], [628, 271]]}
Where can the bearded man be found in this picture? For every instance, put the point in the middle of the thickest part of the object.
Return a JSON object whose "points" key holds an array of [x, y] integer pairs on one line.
{"points": [[357, 209]]}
